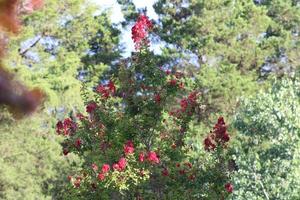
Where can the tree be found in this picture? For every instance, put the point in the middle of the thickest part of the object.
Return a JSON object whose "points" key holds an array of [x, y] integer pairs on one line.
{"points": [[134, 140], [235, 32], [50, 52], [269, 142]]}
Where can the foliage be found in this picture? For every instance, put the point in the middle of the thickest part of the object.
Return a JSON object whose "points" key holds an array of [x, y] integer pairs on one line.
{"points": [[242, 33], [31, 165], [268, 152], [52, 52]]}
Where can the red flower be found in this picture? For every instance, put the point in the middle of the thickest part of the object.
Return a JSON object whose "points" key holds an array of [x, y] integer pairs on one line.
{"points": [[116, 167], [208, 145], [102, 90], [225, 137], [219, 136], [59, 127], [69, 126], [153, 158], [106, 90], [94, 167], [142, 157], [80, 116], [78, 143], [140, 31], [105, 168], [101, 176], [177, 164], [192, 177], [182, 171], [122, 163], [111, 86], [229, 187], [77, 183], [69, 178], [173, 82], [91, 107], [157, 98], [193, 96], [188, 164], [128, 147], [165, 172], [183, 104]]}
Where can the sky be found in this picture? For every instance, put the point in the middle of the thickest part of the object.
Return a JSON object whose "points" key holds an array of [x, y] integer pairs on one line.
{"points": [[117, 17]]}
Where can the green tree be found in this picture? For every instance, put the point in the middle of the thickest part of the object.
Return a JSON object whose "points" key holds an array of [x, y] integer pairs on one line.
{"points": [[54, 52], [242, 33], [269, 143]]}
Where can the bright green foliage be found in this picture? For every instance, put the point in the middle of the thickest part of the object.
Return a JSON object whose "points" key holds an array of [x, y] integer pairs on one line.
{"points": [[31, 165], [55, 45], [60, 43], [268, 152]]}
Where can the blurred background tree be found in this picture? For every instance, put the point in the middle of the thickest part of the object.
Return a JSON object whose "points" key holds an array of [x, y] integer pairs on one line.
{"points": [[59, 47]]}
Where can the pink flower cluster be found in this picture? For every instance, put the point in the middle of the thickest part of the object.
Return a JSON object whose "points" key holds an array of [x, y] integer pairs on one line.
{"points": [[152, 157], [140, 31], [218, 137], [128, 147]]}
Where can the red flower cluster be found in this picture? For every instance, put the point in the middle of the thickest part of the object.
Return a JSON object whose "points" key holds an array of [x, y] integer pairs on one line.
{"points": [[142, 157], [218, 137], [105, 169], [106, 90], [121, 165], [128, 147], [152, 157], [157, 98], [67, 127], [91, 107], [187, 105], [229, 187], [140, 31]]}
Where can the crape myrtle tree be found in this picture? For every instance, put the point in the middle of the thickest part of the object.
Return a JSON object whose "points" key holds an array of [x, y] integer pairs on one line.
{"points": [[133, 138], [53, 51]]}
